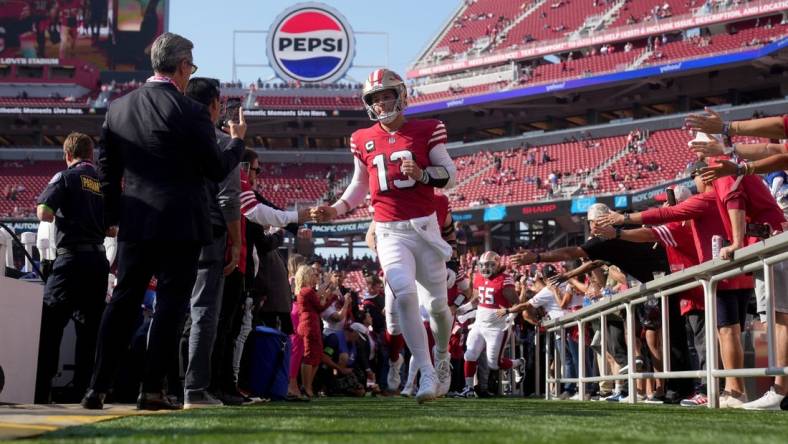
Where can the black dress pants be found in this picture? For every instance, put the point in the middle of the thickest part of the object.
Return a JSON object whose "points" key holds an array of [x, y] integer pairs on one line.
{"points": [[174, 264]]}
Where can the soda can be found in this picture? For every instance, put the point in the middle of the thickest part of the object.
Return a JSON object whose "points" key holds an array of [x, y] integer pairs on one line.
{"points": [[716, 246]]}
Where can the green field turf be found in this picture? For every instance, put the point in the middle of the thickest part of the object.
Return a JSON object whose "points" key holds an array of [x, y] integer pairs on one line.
{"points": [[388, 420]]}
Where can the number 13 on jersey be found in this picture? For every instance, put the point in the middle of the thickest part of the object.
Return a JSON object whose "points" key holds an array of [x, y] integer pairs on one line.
{"points": [[382, 165]]}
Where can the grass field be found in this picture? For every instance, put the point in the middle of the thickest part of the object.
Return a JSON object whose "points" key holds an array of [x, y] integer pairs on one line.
{"points": [[388, 420]]}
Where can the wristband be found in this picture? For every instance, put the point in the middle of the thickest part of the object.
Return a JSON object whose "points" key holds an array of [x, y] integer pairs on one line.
{"points": [[627, 218], [618, 232], [726, 129]]}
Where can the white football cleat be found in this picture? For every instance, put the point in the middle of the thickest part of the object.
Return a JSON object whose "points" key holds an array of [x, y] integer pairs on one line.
{"points": [[443, 371], [408, 391], [393, 379], [428, 387]]}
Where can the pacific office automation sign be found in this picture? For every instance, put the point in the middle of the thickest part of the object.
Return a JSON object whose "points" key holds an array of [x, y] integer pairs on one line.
{"points": [[310, 42]]}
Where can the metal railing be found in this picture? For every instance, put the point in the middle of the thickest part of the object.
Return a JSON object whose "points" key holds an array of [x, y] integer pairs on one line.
{"points": [[760, 256]]}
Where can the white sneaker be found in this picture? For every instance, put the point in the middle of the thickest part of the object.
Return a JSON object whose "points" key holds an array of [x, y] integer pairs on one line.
{"points": [[393, 378], [428, 387], [728, 401], [201, 400], [519, 370], [769, 401], [468, 392], [575, 397], [443, 371]]}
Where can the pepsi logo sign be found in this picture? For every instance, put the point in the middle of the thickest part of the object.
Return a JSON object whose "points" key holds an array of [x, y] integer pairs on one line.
{"points": [[310, 42]]}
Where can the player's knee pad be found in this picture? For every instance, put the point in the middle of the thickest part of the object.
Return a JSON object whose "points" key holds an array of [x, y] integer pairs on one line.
{"points": [[438, 307], [401, 283]]}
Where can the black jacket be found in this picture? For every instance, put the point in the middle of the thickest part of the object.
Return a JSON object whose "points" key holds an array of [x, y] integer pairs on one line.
{"points": [[161, 145]]}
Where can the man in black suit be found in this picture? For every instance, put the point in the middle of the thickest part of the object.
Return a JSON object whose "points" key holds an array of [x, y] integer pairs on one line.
{"points": [[162, 146]]}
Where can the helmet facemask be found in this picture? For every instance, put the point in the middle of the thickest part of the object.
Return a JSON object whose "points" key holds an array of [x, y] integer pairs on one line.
{"points": [[394, 105], [488, 269]]}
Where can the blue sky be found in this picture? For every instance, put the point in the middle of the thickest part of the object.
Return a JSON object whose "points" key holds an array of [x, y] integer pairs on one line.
{"points": [[210, 24]]}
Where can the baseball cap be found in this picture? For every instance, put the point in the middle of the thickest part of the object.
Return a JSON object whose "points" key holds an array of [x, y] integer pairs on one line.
{"points": [[361, 329], [703, 137], [596, 210]]}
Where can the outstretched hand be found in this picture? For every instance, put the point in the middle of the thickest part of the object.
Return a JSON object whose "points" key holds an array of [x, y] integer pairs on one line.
{"points": [[709, 123], [721, 169]]}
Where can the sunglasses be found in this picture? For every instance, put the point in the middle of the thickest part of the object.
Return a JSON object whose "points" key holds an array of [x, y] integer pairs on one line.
{"points": [[194, 67], [257, 170]]}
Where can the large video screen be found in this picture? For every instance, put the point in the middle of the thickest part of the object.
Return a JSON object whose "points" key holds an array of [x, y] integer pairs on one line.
{"points": [[113, 35]]}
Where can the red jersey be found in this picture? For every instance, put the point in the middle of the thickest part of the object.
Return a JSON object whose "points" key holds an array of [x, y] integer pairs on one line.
{"points": [[396, 197], [68, 12], [705, 222], [491, 290], [750, 194], [677, 238], [40, 8], [442, 209]]}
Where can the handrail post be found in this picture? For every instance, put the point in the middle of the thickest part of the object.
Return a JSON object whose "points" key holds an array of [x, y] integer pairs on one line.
{"points": [[710, 301], [632, 398], [581, 356], [665, 334], [537, 361], [768, 286]]}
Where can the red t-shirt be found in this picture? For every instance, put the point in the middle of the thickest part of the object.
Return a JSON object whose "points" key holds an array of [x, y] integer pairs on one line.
{"points": [[678, 240], [748, 193], [396, 197], [705, 222]]}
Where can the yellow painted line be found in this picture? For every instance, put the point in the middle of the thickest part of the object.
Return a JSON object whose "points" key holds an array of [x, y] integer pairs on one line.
{"points": [[77, 419], [47, 428]]}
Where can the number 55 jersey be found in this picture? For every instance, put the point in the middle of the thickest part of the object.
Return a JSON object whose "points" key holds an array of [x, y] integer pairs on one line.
{"points": [[395, 196], [491, 298]]}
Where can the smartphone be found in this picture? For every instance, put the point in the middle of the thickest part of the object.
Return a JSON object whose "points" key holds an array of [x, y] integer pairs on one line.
{"points": [[231, 110], [671, 197], [245, 167]]}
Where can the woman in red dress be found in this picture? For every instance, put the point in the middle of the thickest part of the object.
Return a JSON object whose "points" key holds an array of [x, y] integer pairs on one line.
{"points": [[311, 302]]}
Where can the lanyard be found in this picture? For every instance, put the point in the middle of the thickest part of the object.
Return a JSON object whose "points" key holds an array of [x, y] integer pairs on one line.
{"points": [[162, 79]]}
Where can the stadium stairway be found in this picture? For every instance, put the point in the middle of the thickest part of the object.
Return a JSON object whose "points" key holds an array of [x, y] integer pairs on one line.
{"points": [[516, 21], [598, 22], [601, 168]]}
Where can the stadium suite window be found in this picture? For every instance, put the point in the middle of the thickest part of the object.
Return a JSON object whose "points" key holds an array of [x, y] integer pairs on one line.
{"points": [[61, 72], [32, 72]]}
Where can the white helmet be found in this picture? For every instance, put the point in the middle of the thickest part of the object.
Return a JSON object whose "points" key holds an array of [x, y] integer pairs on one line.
{"points": [[489, 264], [380, 80]]}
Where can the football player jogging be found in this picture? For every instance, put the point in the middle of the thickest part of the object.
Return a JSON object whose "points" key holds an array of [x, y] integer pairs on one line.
{"points": [[456, 283], [493, 288], [399, 163]]}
